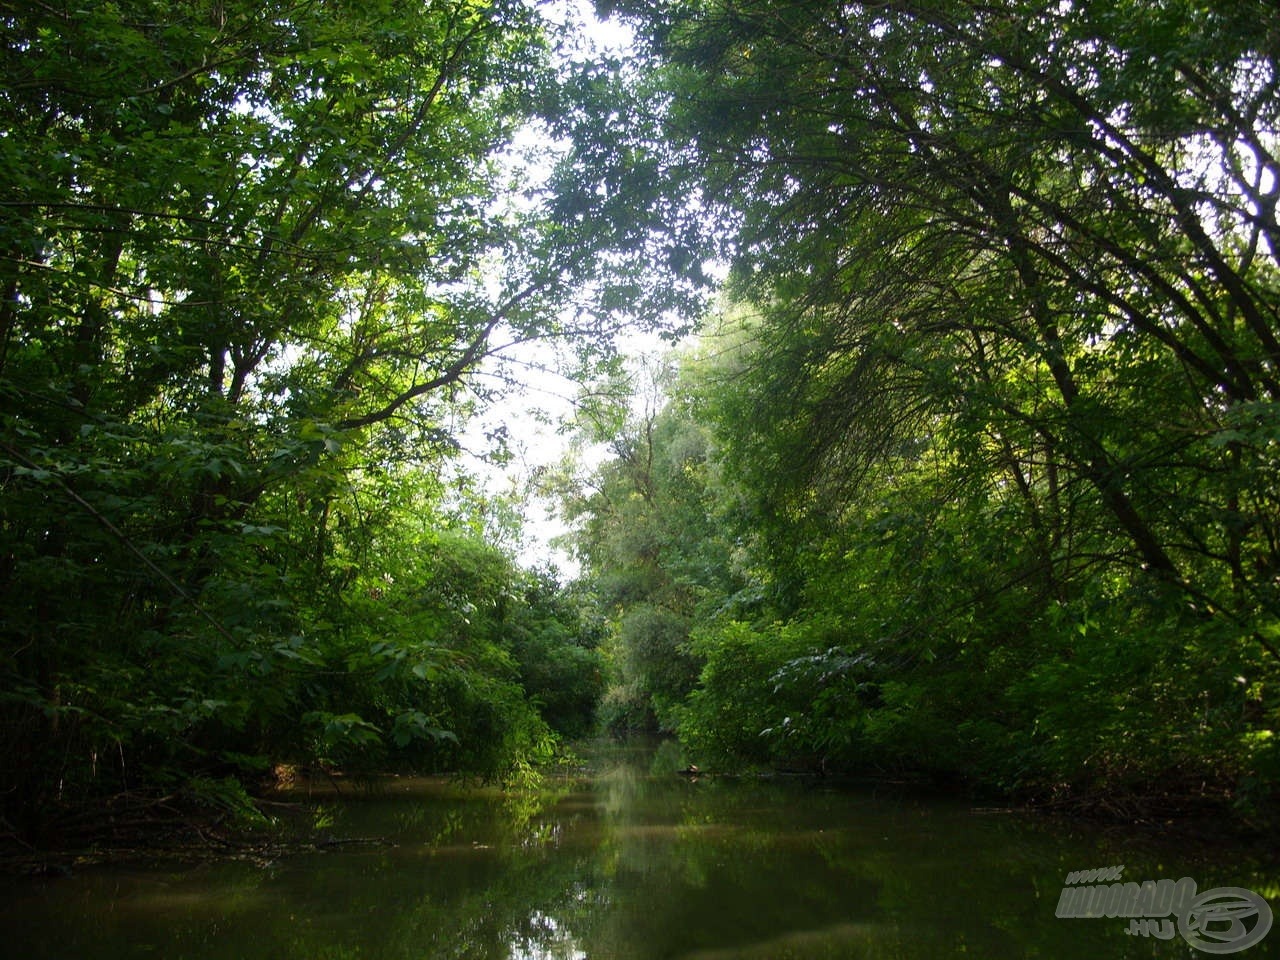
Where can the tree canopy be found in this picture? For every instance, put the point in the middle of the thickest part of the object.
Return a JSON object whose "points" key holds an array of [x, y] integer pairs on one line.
{"points": [[1004, 396], [254, 258], [975, 470]]}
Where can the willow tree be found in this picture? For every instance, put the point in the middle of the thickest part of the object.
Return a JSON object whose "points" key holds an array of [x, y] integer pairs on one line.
{"points": [[1034, 244]]}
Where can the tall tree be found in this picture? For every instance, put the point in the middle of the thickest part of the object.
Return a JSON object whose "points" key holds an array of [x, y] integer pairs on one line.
{"points": [[1011, 260], [252, 257], [649, 532], [1058, 219]]}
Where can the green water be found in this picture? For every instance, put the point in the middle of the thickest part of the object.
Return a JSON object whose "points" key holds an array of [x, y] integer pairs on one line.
{"points": [[632, 862]]}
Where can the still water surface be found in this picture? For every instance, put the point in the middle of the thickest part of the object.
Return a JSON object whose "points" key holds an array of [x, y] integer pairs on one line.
{"points": [[635, 863]]}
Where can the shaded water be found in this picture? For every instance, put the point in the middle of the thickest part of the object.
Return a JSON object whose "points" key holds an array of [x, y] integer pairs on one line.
{"points": [[634, 863]]}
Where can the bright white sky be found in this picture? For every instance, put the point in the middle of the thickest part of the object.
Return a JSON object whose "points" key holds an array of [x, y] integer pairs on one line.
{"points": [[532, 416]]}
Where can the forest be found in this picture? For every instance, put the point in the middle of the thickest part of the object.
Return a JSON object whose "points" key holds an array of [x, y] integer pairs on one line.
{"points": [[963, 464]]}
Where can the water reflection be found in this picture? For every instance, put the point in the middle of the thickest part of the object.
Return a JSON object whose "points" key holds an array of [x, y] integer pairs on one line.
{"points": [[632, 863]]}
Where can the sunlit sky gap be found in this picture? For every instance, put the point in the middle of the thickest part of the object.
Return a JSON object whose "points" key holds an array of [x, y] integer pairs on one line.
{"points": [[540, 397]]}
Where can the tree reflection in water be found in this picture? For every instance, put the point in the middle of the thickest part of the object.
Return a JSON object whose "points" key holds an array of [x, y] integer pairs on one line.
{"points": [[630, 863]]}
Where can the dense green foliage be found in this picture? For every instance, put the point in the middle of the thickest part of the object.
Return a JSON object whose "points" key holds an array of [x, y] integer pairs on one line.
{"points": [[980, 474], [648, 538], [999, 420], [252, 258]]}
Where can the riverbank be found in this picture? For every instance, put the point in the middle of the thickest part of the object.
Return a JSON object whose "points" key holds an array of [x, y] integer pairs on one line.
{"points": [[279, 820], [624, 859]]}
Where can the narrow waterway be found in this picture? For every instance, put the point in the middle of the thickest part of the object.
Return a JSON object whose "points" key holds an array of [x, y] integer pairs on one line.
{"points": [[632, 861]]}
